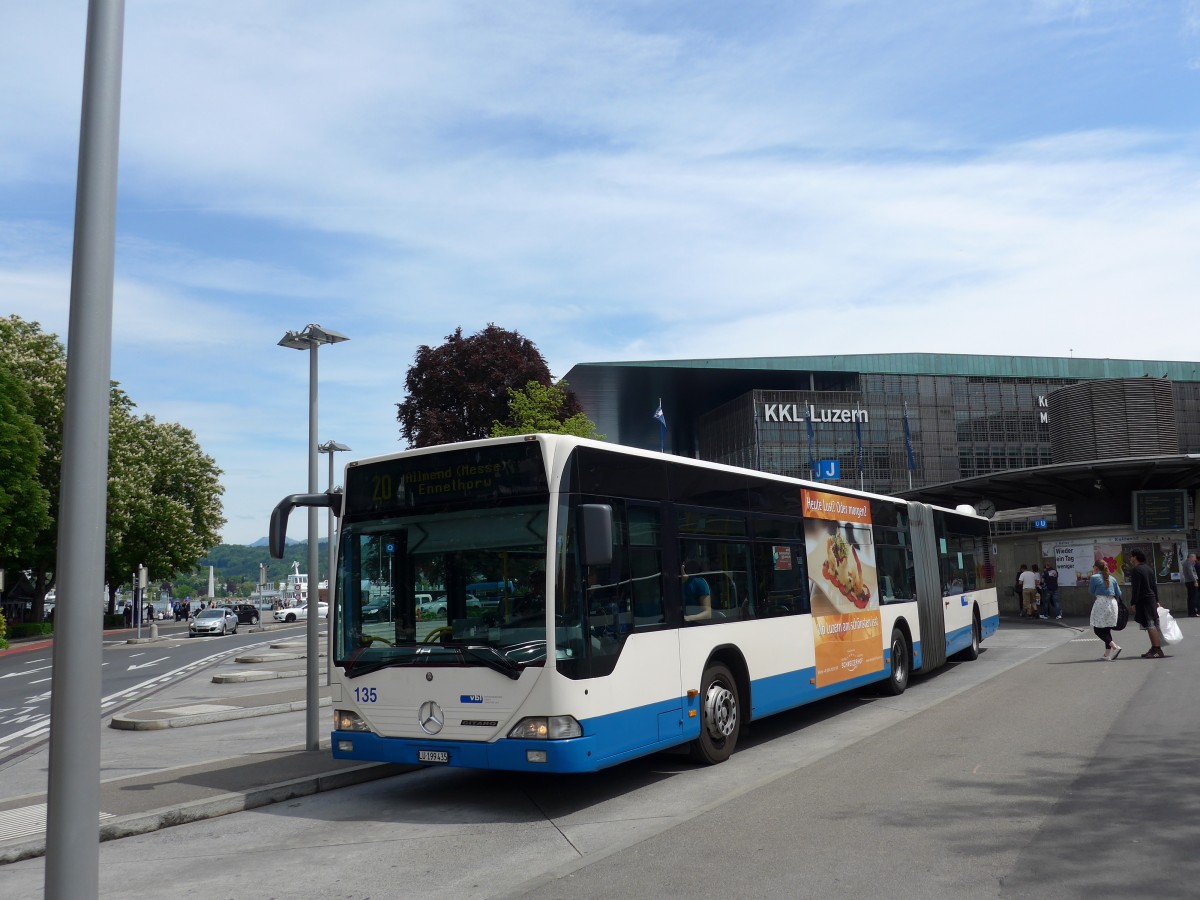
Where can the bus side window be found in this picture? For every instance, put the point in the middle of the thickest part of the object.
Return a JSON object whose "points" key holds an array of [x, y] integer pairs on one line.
{"points": [[724, 567], [782, 579], [645, 566]]}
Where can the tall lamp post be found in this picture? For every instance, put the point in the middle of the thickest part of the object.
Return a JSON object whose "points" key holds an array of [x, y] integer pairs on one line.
{"points": [[311, 338], [330, 447]]}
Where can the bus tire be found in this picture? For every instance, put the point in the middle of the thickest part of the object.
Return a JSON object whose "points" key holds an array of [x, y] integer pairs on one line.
{"points": [[897, 679], [720, 716], [972, 652]]}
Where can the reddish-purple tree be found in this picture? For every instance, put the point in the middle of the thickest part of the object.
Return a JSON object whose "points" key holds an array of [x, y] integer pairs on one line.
{"points": [[457, 390]]}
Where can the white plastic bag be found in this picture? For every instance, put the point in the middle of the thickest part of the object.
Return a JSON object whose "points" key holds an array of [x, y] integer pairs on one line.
{"points": [[1169, 627]]}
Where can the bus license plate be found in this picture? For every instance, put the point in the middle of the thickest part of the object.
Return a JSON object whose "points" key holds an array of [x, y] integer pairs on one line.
{"points": [[433, 756]]}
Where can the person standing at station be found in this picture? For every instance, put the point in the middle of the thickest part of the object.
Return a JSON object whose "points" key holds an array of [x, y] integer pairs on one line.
{"points": [[1144, 597], [1190, 581], [1050, 605], [1029, 595]]}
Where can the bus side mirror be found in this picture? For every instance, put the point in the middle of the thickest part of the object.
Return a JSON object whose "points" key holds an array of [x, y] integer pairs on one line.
{"points": [[596, 533], [283, 509]]}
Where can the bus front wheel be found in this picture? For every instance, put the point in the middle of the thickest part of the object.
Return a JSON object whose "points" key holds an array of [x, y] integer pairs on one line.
{"points": [[901, 664], [720, 716]]}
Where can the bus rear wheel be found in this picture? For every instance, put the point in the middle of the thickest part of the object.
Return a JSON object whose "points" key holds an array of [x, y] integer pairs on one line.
{"points": [[972, 651], [901, 664], [720, 716]]}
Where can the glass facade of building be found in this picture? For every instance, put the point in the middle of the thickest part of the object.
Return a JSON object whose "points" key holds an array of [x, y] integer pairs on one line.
{"points": [[960, 427], [968, 416]]}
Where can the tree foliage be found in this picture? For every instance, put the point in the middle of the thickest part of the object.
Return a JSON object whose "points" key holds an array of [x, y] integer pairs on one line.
{"points": [[164, 507], [164, 494], [538, 408], [24, 502], [38, 361], [456, 391]]}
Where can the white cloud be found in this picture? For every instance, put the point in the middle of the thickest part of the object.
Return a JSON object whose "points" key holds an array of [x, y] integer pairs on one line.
{"points": [[616, 182]]}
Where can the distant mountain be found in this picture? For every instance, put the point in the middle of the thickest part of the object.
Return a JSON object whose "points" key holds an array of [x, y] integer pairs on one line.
{"points": [[262, 542]]}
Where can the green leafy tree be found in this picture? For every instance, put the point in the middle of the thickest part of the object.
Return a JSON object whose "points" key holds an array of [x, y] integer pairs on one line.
{"points": [[24, 502], [39, 361], [538, 408], [455, 392], [164, 498]]}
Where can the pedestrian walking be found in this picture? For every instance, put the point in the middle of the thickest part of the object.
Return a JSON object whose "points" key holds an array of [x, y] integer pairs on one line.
{"points": [[1191, 581], [1029, 595], [1144, 596], [1050, 605], [1104, 608]]}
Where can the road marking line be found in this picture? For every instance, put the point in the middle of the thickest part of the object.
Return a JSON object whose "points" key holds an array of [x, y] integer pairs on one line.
{"points": [[26, 821]]}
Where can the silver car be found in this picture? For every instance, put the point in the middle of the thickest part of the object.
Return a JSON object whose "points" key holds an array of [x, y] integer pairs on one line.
{"points": [[215, 620]]}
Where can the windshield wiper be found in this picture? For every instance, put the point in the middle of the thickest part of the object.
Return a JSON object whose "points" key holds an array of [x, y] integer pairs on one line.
{"points": [[356, 670], [490, 657]]}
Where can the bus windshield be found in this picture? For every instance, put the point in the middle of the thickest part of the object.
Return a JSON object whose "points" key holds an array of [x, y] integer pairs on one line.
{"points": [[405, 590]]}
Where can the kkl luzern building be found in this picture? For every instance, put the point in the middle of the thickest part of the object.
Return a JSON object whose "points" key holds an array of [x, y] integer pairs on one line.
{"points": [[1073, 459]]}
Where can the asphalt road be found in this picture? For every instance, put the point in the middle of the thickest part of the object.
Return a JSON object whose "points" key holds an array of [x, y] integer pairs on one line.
{"points": [[1036, 771], [129, 672]]}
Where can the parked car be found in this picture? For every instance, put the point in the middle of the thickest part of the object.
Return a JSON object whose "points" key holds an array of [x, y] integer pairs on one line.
{"points": [[377, 610], [247, 613], [300, 613], [431, 605], [214, 620]]}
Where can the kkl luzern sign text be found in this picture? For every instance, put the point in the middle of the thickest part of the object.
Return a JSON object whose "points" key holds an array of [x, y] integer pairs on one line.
{"points": [[791, 412]]}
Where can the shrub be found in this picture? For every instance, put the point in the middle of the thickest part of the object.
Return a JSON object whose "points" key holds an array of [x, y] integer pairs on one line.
{"points": [[30, 629], [3, 631]]}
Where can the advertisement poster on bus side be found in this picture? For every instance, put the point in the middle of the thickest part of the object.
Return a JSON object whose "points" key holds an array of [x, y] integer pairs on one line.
{"points": [[843, 586]]}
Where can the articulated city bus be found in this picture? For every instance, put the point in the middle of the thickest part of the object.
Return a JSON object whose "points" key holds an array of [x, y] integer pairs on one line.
{"points": [[628, 601]]}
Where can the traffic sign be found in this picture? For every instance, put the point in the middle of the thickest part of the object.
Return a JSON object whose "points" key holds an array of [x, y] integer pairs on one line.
{"points": [[829, 468]]}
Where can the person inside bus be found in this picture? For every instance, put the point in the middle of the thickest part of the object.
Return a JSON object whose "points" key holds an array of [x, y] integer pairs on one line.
{"points": [[697, 596]]}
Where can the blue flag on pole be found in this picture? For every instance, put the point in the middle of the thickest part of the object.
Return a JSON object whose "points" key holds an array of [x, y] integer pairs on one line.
{"points": [[858, 433], [908, 447], [662, 428], [812, 437]]}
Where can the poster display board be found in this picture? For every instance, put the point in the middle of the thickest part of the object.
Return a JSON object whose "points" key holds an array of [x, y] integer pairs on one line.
{"points": [[843, 585], [1075, 559]]}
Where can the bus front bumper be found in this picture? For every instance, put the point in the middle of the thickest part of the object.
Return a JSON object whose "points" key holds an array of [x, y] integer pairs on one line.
{"points": [[573, 755]]}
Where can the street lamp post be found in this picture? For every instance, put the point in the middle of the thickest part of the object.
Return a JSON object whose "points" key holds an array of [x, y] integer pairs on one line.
{"points": [[330, 447], [310, 339]]}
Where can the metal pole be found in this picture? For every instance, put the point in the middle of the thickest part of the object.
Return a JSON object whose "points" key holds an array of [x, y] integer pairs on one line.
{"points": [[329, 628], [73, 789], [312, 737]]}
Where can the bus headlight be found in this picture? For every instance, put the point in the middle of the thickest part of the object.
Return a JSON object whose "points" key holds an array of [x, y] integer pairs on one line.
{"points": [[547, 728], [344, 720]]}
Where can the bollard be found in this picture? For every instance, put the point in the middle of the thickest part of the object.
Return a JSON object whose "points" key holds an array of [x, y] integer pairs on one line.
{"points": [[153, 630]]}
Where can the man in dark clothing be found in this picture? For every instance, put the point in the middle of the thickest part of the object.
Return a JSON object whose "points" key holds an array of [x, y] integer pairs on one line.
{"points": [[1191, 581], [1050, 606], [1144, 597]]}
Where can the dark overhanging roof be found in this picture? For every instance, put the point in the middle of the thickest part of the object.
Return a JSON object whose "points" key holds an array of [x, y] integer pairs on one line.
{"points": [[1066, 482]]}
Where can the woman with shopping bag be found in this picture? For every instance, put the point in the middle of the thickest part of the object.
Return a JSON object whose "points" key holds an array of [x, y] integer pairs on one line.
{"points": [[1104, 608]]}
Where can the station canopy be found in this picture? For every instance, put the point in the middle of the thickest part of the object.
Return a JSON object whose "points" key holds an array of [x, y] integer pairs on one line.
{"points": [[1066, 482]]}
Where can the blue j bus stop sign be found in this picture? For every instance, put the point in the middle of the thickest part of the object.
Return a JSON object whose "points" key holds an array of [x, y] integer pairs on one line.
{"points": [[829, 468]]}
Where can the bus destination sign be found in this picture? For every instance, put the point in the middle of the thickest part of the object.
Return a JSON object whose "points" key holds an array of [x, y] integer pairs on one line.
{"points": [[420, 481]]}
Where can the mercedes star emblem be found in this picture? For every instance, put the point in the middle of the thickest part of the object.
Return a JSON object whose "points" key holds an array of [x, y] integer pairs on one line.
{"points": [[431, 717]]}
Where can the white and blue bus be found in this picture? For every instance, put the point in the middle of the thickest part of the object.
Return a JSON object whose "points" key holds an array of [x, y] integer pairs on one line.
{"points": [[634, 601]]}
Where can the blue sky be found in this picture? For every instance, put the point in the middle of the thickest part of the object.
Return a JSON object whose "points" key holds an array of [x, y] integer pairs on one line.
{"points": [[616, 180]]}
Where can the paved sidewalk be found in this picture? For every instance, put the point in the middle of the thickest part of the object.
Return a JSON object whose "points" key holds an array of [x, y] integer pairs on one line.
{"points": [[249, 764]]}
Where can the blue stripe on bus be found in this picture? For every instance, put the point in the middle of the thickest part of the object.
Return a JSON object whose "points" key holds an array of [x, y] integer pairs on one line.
{"points": [[990, 625], [607, 740], [958, 639]]}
